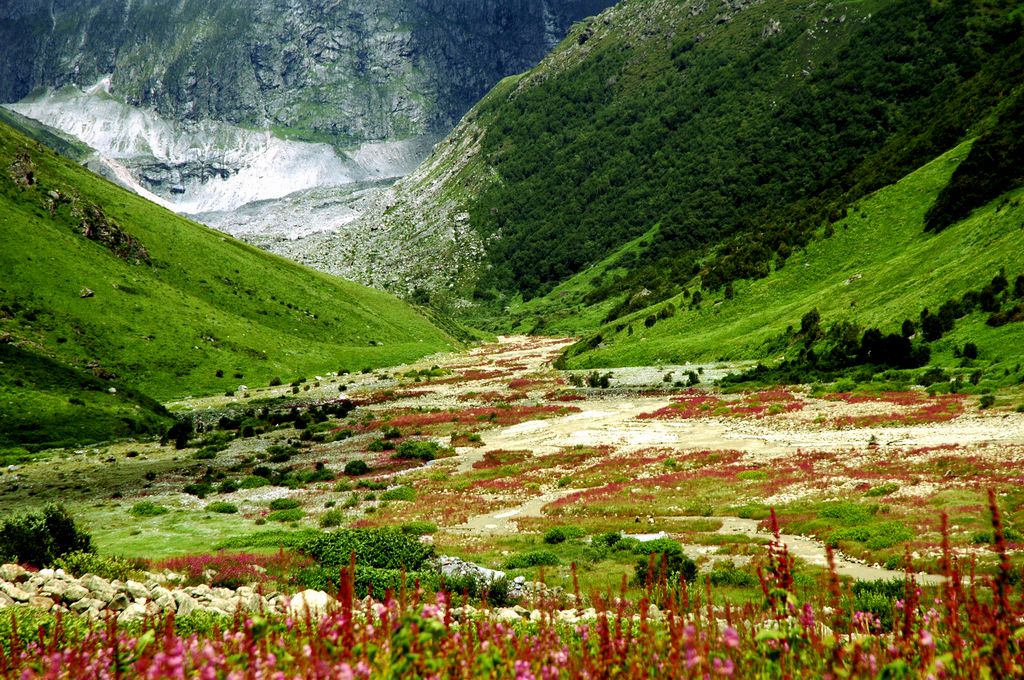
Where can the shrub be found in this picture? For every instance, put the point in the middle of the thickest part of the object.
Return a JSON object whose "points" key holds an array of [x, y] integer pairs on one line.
{"points": [[147, 509], [609, 539], [536, 558], [253, 482], [81, 563], [987, 401], [284, 504], [668, 553], [198, 489], [275, 381], [554, 536], [882, 489], [731, 576], [401, 493], [292, 515], [354, 468], [227, 486], [37, 539], [222, 508], [332, 518], [418, 528], [384, 548], [424, 451]]}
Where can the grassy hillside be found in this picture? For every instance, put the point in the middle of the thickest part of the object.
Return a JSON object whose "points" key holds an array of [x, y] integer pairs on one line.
{"points": [[875, 268], [103, 284]]}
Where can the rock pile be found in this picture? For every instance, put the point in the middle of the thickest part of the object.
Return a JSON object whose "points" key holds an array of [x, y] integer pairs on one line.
{"points": [[55, 590]]}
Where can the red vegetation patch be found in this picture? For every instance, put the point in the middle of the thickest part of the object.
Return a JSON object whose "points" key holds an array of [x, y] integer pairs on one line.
{"points": [[499, 416], [492, 397], [555, 395], [500, 458], [388, 396], [929, 410], [755, 404], [231, 570]]}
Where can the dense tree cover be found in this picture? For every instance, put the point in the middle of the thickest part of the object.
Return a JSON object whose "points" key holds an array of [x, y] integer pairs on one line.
{"points": [[742, 141], [994, 165]]}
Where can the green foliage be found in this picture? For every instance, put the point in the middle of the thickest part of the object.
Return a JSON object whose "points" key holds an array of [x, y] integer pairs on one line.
{"points": [[385, 548], [417, 450], [293, 515], [418, 528], [38, 539], [847, 513], [882, 489], [534, 558], [994, 166], [253, 482], [354, 468], [874, 536], [596, 153], [80, 562], [665, 552], [147, 509], [561, 534], [400, 493], [332, 518], [222, 507], [167, 313], [284, 504]]}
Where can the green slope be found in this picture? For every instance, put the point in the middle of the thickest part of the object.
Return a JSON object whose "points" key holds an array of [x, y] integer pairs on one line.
{"points": [[172, 303], [877, 268], [722, 135]]}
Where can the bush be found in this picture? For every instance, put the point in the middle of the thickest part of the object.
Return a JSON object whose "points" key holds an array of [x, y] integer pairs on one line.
{"points": [[147, 509], [253, 482], [37, 539], [987, 401], [332, 518], [424, 451], [80, 563], [609, 539], [384, 548], [354, 468], [401, 493], [882, 489], [668, 553], [418, 528], [536, 558], [222, 508], [292, 515], [275, 381], [284, 504], [554, 536], [198, 489]]}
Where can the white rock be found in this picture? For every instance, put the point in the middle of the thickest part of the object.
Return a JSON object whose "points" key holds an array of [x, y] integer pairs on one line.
{"points": [[313, 602]]}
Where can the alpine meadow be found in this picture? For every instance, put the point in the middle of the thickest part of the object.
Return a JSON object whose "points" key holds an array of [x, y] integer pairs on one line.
{"points": [[512, 339]]}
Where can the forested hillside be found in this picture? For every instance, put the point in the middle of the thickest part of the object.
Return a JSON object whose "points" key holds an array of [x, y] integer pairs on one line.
{"points": [[726, 135]]}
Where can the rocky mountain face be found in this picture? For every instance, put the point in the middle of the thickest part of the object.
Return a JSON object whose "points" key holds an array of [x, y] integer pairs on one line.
{"points": [[327, 70]]}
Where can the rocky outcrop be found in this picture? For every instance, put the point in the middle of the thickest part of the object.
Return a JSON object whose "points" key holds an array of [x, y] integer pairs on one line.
{"points": [[356, 70], [96, 597]]}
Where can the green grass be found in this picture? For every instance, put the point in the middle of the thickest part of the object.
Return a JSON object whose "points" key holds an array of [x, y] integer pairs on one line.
{"points": [[206, 315], [877, 269]]}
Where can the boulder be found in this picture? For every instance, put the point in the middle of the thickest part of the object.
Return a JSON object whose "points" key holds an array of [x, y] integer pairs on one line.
{"points": [[14, 592], [313, 602], [13, 573], [94, 583], [55, 587], [136, 590], [186, 603], [88, 603], [166, 603], [41, 603], [119, 602], [133, 612]]}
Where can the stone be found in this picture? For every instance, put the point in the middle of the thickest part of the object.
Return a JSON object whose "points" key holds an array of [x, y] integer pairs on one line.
{"points": [[41, 603], [133, 612], [14, 592], [314, 602], [55, 587], [87, 603], [186, 603], [119, 602], [94, 583], [224, 604], [13, 573], [166, 603], [5, 601], [158, 591], [136, 590], [74, 592], [507, 615]]}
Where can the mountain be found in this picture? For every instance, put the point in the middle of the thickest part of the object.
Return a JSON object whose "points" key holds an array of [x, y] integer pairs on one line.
{"points": [[109, 302], [206, 106], [713, 138]]}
